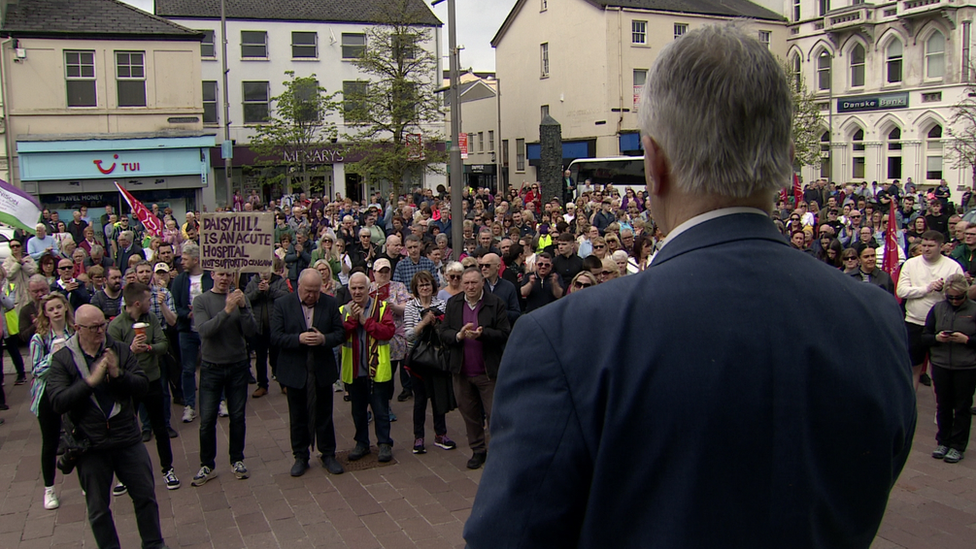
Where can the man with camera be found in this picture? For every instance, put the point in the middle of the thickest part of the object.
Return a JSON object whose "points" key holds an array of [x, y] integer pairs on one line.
{"points": [[93, 381]]}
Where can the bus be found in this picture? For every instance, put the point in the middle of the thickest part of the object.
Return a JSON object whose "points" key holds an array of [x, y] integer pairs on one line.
{"points": [[621, 172]]}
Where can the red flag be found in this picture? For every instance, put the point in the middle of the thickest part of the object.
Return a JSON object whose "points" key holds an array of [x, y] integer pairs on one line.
{"points": [[891, 242], [152, 223], [797, 191]]}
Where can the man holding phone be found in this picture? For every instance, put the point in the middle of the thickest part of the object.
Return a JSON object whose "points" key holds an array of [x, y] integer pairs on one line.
{"points": [[306, 326]]}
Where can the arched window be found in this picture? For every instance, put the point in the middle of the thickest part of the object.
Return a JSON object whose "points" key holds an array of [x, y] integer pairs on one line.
{"points": [[857, 66], [857, 156], [893, 153], [795, 71], [894, 57], [825, 155], [933, 153], [935, 56], [823, 71]]}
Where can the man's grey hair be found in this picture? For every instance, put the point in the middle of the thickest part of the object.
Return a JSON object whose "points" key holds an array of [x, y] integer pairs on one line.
{"points": [[37, 279], [191, 249], [719, 105], [96, 249], [127, 235], [956, 282], [441, 237]]}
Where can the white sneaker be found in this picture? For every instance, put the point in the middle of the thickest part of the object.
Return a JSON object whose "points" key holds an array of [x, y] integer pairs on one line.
{"points": [[51, 499], [188, 414], [222, 409]]}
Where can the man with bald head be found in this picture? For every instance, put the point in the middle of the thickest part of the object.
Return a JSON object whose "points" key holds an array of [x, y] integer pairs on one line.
{"points": [[93, 381], [306, 327], [490, 264]]}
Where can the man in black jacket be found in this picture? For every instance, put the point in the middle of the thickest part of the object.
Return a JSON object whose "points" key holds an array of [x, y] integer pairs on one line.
{"points": [[490, 264], [306, 326], [475, 328], [94, 381]]}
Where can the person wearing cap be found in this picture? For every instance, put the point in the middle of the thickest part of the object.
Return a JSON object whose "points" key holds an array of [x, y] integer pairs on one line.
{"points": [[164, 307], [396, 295]]}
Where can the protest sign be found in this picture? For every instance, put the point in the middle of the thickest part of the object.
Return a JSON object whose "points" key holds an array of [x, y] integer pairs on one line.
{"points": [[239, 241]]}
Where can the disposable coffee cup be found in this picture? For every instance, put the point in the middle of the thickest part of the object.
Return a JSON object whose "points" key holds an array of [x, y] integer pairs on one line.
{"points": [[140, 328]]}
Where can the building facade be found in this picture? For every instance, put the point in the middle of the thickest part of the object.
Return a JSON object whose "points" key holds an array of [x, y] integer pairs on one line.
{"points": [[480, 126], [102, 93], [265, 39], [583, 62], [886, 76]]}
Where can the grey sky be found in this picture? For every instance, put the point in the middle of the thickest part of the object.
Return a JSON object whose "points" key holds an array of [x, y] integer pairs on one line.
{"points": [[478, 21]]}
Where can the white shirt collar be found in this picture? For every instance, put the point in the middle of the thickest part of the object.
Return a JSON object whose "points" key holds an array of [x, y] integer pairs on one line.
{"points": [[708, 216]]}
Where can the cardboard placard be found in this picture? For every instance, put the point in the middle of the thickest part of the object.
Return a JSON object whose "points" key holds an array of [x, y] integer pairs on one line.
{"points": [[238, 241]]}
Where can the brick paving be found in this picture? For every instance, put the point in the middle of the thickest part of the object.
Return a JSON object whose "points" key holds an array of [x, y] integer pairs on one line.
{"points": [[421, 501]]}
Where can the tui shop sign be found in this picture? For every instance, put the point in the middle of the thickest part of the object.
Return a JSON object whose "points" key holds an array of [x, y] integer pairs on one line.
{"points": [[873, 102]]}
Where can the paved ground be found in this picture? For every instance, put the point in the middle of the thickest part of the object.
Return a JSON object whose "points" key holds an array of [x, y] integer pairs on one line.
{"points": [[421, 501]]}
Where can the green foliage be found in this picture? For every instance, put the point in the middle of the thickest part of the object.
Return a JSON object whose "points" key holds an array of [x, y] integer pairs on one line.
{"points": [[808, 122], [961, 149], [299, 122], [397, 101]]}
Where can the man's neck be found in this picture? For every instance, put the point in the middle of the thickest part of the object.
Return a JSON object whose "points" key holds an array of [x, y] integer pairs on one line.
{"points": [[196, 271], [133, 314], [112, 294], [492, 280], [90, 350]]}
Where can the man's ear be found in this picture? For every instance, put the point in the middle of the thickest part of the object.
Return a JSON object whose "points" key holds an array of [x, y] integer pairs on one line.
{"points": [[657, 170]]}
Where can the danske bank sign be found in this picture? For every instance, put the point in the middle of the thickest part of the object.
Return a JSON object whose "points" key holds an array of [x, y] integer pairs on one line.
{"points": [[873, 102]]}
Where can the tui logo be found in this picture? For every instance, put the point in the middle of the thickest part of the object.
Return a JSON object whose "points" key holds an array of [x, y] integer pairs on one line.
{"points": [[98, 164]]}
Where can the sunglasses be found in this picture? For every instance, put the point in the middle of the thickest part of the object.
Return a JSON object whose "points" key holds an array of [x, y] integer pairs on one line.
{"points": [[956, 297], [454, 277], [850, 259], [581, 285], [484, 265], [598, 247], [68, 268]]}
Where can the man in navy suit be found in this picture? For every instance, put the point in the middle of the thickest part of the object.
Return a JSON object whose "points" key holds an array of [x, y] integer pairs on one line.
{"points": [[702, 414], [306, 326]]}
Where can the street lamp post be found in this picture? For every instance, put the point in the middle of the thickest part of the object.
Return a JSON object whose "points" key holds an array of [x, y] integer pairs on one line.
{"points": [[457, 169]]}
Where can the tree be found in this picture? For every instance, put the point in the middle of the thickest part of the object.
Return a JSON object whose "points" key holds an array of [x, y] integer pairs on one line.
{"points": [[962, 146], [298, 123], [808, 123], [391, 110]]}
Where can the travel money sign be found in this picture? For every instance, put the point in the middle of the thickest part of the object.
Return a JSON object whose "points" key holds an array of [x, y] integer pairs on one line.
{"points": [[239, 241]]}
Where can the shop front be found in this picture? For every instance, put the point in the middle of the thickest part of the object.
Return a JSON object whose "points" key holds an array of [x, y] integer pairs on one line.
{"points": [[481, 176], [65, 173]]}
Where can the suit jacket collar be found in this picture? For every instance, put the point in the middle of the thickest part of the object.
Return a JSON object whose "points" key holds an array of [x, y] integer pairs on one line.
{"points": [[720, 230]]}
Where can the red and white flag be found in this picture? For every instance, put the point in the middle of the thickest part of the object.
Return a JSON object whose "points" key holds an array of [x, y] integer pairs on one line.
{"points": [[890, 264], [797, 191], [152, 223]]}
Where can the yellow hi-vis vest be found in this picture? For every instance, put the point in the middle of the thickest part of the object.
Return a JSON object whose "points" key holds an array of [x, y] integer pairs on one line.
{"points": [[384, 370]]}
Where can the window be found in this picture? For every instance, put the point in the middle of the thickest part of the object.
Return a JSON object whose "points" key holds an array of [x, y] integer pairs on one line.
{"points": [[254, 44], [545, 5], [935, 56], [306, 109], [764, 38], [130, 74], [796, 75], [544, 111], [894, 55], [481, 142], [491, 141], [403, 46], [933, 153], [638, 32], [544, 55], [256, 102], [857, 160], [640, 78], [857, 66], [679, 29], [353, 45], [520, 155], [304, 45], [796, 10], [932, 97], [79, 72], [894, 153], [825, 155], [824, 7], [210, 103], [505, 152], [823, 71], [353, 102], [207, 45]]}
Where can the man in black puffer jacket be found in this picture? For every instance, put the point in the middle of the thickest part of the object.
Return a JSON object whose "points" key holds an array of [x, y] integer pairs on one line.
{"points": [[94, 381]]}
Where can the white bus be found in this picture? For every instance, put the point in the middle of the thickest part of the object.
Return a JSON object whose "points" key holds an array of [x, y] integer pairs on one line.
{"points": [[621, 172]]}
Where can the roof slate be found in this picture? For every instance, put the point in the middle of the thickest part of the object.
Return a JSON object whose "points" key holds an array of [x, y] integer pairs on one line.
{"points": [[727, 8], [88, 17], [353, 11]]}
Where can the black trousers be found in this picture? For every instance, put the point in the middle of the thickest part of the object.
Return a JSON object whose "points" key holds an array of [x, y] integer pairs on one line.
{"points": [[174, 367], [263, 354], [953, 399], [420, 398], [154, 400], [133, 468], [12, 344], [298, 417], [50, 422]]}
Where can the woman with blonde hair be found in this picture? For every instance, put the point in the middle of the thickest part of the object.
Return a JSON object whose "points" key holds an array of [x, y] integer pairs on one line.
{"points": [[55, 325], [583, 279], [453, 273]]}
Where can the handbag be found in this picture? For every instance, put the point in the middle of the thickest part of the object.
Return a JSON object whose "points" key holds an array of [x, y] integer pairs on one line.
{"points": [[430, 353], [72, 445]]}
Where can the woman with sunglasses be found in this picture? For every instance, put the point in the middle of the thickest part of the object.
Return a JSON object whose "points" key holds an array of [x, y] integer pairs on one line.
{"points": [[55, 325], [950, 334], [453, 273], [849, 260], [583, 279], [47, 266]]}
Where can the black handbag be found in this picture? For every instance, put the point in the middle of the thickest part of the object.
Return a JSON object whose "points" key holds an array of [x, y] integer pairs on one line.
{"points": [[72, 446], [430, 353]]}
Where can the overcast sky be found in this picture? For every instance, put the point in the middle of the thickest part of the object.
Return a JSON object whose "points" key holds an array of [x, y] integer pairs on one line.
{"points": [[478, 21]]}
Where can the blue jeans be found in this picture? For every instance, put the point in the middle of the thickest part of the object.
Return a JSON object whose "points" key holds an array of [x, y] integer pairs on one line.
{"points": [[362, 392], [231, 379], [189, 353]]}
